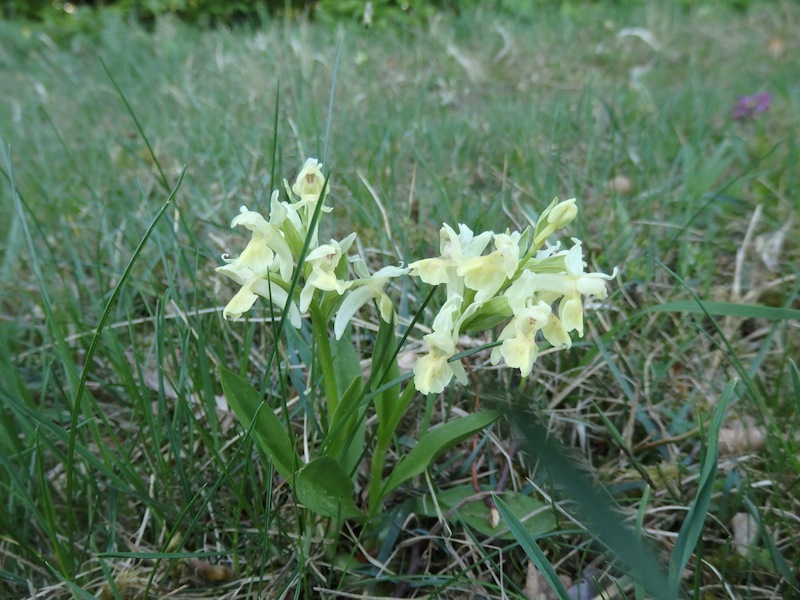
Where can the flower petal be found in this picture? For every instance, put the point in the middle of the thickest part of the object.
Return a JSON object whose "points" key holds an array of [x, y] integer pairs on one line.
{"points": [[350, 306], [241, 302]]}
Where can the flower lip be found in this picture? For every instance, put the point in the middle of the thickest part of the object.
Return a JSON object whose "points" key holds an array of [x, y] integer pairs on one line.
{"points": [[310, 180]]}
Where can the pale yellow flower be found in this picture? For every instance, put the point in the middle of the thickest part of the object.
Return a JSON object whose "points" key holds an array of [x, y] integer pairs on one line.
{"points": [[519, 349], [310, 180], [453, 248], [572, 285], [367, 289], [486, 274], [241, 302], [556, 334], [434, 371], [266, 255], [244, 299], [266, 251], [324, 260]]}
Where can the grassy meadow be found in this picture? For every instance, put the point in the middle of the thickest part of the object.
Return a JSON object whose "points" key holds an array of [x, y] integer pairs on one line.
{"points": [[123, 471]]}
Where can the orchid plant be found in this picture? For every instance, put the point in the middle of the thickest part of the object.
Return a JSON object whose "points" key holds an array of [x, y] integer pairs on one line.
{"points": [[535, 291]]}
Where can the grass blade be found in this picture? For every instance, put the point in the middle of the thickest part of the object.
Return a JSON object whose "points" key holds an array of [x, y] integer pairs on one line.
{"points": [[96, 341], [692, 526], [595, 505], [728, 309], [531, 548]]}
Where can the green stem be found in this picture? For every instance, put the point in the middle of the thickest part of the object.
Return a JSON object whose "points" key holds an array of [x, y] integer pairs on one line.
{"points": [[386, 429], [319, 328], [376, 473]]}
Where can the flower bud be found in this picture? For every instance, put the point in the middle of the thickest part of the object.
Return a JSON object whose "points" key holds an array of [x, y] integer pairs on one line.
{"points": [[562, 214]]}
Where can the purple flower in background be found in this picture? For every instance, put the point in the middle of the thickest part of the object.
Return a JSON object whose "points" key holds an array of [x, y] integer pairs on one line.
{"points": [[749, 106]]}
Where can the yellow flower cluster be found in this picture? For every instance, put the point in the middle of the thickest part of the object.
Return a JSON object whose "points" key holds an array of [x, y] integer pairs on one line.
{"points": [[534, 289], [266, 266], [541, 290]]}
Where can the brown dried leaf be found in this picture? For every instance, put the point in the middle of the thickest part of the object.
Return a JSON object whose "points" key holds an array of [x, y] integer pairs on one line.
{"points": [[210, 571]]}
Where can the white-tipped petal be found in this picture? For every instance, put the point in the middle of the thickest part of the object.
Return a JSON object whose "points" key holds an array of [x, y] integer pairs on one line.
{"points": [[350, 306]]}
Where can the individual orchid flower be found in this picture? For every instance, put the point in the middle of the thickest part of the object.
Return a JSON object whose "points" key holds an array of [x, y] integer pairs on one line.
{"points": [[556, 334], [323, 261], [244, 299], [453, 249], [434, 371], [308, 187], [366, 289], [266, 251], [285, 216], [241, 302], [519, 349], [310, 180], [486, 274], [522, 295], [572, 285]]}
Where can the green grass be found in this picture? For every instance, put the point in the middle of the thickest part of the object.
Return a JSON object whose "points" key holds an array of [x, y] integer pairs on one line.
{"points": [[480, 119]]}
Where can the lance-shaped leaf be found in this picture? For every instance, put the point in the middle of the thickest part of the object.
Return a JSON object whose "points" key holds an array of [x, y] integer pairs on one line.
{"points": [[436, 441], [269, 433], [324, 487]]}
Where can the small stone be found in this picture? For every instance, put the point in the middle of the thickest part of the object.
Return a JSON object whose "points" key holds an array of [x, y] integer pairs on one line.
{"points": [[745, 532], [619, 185]]}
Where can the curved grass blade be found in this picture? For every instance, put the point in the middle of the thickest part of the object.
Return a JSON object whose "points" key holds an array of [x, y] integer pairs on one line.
{"points": [[692, 527], [728, 309], [96, 341], [162, 177], [595, 505], [528, 543]]}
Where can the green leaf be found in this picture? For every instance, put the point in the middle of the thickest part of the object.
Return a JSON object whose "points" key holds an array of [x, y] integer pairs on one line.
{"points": [[346, 362], [475, 513], [269, 433], [345, 438], [436, 441], [384, 366], [728, 309], [492, 313], [325, 488], [531, 548], [692, 526]]}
